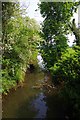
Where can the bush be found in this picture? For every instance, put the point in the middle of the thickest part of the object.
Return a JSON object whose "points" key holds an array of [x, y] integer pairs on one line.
{"points": [[67, 70]]}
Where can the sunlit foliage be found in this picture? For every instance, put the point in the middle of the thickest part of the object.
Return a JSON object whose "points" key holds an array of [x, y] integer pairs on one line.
{"points": [[20, 38]]}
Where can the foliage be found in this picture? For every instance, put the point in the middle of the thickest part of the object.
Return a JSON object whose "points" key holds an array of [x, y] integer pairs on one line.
{"points": [[67, 68], [67, 71], [51, 53], [62, 61], [20, 37], [55, 28]]}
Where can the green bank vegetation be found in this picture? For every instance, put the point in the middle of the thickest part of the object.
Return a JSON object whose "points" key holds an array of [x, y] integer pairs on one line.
{"points": [[61, 60], [20, 38]]}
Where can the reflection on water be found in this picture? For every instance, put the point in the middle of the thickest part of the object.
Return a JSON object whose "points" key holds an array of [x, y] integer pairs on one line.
{"points": [[40, 105], [27, 102]]}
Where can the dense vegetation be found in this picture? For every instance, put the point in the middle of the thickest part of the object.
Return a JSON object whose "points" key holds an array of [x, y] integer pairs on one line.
{"points": [[20, 38], [62, 61]]}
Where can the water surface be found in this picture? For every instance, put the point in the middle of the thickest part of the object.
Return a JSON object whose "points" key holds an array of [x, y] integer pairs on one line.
{"points": [[27, 102]]}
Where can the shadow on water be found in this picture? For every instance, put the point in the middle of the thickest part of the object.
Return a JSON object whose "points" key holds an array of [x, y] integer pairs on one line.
{"points": [[27, 102], [56, 108]]}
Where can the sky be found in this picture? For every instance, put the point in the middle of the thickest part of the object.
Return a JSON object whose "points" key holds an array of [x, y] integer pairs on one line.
{"points": [[31, 6]]}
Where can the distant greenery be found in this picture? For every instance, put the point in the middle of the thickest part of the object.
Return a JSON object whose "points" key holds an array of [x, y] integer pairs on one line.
{"points": [[20, 38], [62, 61]]}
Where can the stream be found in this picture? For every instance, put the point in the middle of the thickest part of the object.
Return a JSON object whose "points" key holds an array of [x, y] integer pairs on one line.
{"points": [[32, 102]]}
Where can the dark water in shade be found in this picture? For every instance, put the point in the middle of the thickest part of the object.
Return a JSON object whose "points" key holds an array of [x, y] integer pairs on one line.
{"points": [[27, 102]]}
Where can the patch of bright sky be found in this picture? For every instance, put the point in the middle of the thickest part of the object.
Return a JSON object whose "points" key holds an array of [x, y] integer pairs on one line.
{"points": [[71, 37], [31, 6]]}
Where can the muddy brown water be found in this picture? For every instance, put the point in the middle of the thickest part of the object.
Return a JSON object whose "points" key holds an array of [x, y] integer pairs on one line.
{"points": [[30, 102]]}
